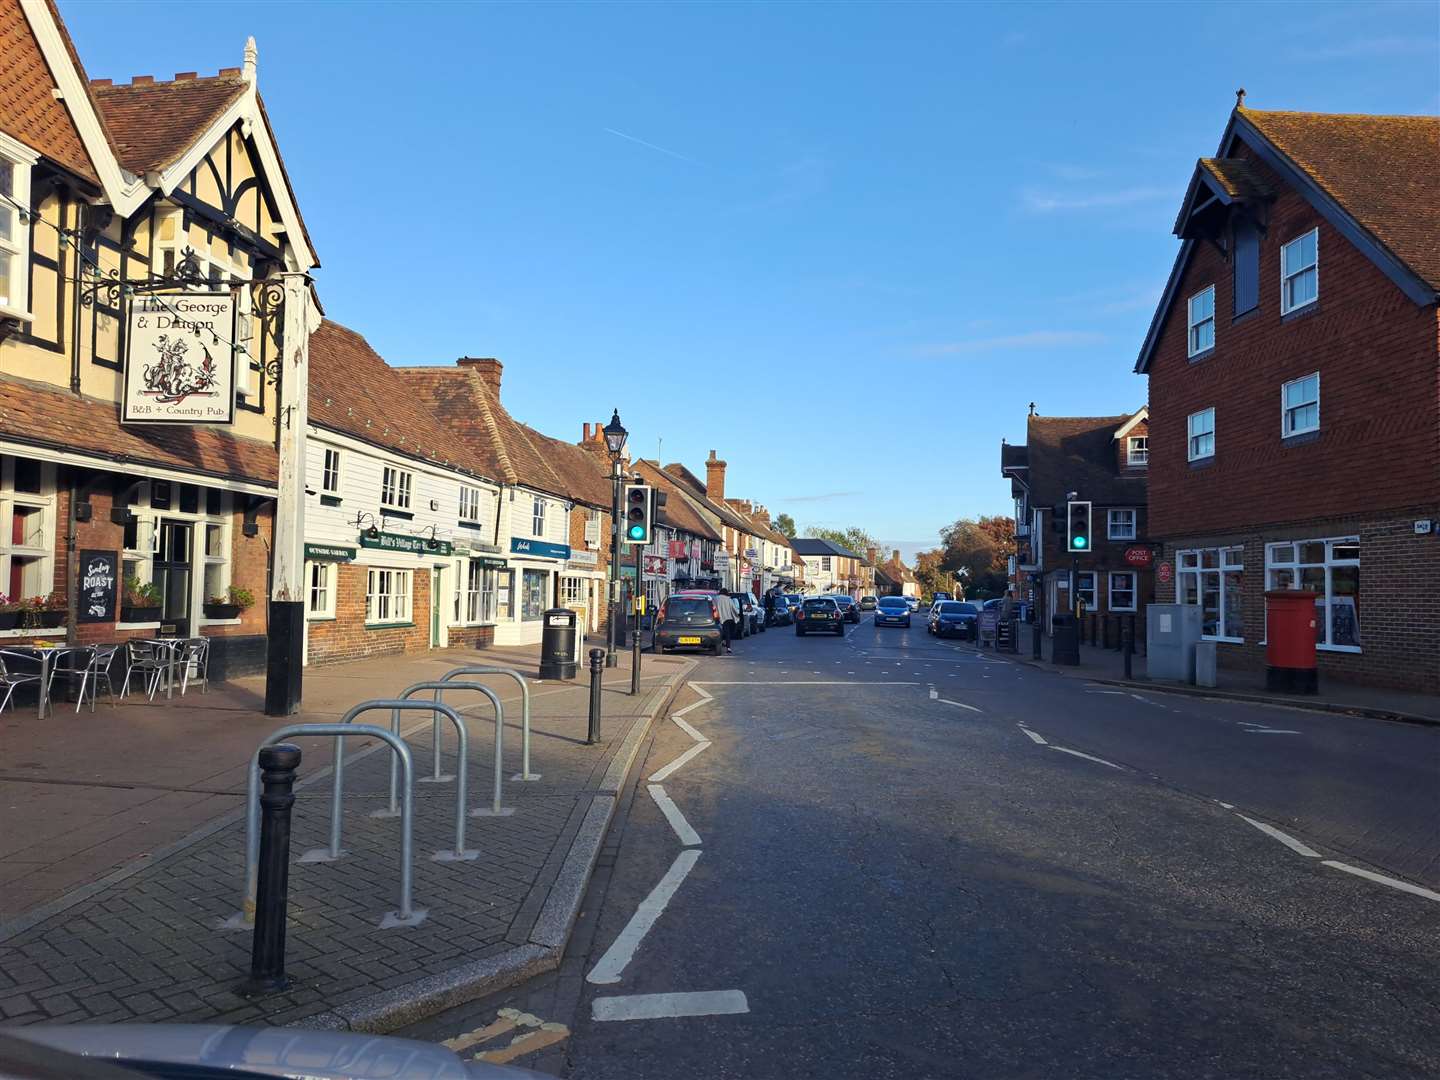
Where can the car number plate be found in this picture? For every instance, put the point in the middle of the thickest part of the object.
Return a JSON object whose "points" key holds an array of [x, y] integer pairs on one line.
{"points": [[689, 641]]}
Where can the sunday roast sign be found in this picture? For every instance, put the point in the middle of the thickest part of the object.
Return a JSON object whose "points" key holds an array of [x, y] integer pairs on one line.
{"points": [[179, 360]]}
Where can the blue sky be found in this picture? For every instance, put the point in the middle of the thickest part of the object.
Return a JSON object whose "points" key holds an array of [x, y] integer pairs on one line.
{"points": [[843, 245]]}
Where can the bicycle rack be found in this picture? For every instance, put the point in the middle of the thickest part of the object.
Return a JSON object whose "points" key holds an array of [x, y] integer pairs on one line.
{"points": [[487, 669], [406, 915]]}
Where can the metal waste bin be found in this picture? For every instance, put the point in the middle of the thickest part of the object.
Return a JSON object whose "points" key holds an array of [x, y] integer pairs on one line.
{"points": [[557, 645], [1065, 642]]}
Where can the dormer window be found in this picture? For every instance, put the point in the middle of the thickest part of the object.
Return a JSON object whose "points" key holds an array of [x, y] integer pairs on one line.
{"points": [[1300, 272], [1137, 451], [1202, 321]]}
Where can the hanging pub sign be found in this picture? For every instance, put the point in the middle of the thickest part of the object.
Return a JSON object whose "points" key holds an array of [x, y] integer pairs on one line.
{"points": [[180, 359], [99, 573]]}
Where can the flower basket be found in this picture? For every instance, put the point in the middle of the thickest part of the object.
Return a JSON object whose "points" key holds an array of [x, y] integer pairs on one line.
{"points": [[50, 619], [9, 620], [222, 611], [139, 614]]}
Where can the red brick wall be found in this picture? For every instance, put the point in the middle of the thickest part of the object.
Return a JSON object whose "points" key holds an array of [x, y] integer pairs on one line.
{"points": [[577, 542], [1376, 352], [346, 637]]}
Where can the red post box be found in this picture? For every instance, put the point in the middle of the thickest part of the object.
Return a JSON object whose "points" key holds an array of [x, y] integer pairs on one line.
{"points": [[1290, 635]]}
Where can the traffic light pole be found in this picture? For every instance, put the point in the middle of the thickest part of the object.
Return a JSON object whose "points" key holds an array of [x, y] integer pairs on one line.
{"points": [[612, 608], [639, 592]]}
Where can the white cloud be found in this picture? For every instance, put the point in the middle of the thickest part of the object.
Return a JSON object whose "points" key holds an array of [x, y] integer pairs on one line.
{"points": [[1047, 202], [1031, 339]]}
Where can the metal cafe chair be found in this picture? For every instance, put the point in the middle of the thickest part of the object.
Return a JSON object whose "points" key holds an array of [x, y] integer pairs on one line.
{"points": [[102, 659], [195, 656], [9, 680], [146, 658]]}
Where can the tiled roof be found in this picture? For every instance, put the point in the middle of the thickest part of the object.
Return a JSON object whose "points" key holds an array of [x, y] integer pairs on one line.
{"points": [[1012, 456], [28, 110], [678, 512], [43, 415], [1077, 453], [582, 473], [812, 547], [696, 490], [1239, 178], [353, 390], [1381, 169], [153, 124]]}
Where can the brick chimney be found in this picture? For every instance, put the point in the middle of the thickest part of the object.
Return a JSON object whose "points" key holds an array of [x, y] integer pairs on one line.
{"points": [[762, 513], [714, 478], [895, 557], [873, 554], [488, 368], [586, 437]]}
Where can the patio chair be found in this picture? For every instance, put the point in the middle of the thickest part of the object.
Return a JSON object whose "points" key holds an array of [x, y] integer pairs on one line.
{"points": [[9, 680], [195, 656], [149, 661], [102, 658]]}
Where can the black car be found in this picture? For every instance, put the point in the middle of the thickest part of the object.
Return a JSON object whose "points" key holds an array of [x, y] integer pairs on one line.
{"points": [[953, 618], [780, 615], [892, 611], [819, 615], [849, 610], [688, 621]]}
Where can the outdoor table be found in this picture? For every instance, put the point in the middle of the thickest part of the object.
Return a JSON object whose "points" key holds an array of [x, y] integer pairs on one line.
{"points": [[47, 656], [169, 644]]}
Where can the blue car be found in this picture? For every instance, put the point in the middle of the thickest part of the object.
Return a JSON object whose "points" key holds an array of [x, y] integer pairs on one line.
{"points": [[953, 618], [892, 611]]}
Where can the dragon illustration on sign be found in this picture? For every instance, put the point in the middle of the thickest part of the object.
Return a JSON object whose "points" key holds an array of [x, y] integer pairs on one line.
{"points": [[173, 378]]}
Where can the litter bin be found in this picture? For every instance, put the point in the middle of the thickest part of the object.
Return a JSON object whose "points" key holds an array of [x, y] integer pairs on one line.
{"points": [[1290, 634], [557, 645], [1065, 642]]}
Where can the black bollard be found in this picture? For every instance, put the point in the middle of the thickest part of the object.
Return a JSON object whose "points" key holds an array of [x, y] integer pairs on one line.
{"points": [[1127, 643], [267, 951], [597, 669]]}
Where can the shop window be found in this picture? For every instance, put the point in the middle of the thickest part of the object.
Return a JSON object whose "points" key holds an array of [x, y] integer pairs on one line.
{"points": [[1202, 321], [1122, 590], [320, 602], [1212, 578], [27, 529], [572, 590], [387, 596], [1085, 588], [15, 162], [532, 594], [1331, 570], [505, 595], [1120, 524], [395, 489], [475, 599]]}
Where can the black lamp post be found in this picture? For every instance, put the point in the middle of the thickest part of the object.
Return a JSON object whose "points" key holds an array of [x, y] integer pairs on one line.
{"points": [[615, 435]]}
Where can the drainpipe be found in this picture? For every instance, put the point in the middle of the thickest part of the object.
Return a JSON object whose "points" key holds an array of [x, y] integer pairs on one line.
{"points": [[78, 239]]}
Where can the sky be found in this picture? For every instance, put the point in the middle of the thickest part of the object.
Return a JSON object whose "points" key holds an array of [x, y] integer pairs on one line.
{"points": [[843, 245]]}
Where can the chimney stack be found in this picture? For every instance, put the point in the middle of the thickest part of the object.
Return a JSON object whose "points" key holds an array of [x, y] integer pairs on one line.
{"points": [[714, 478], [586, 437], [873, 553], [488, 368], [895, 558]]}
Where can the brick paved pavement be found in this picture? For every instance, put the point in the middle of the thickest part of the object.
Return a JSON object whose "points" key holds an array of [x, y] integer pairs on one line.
{"points": [[145, 943]]}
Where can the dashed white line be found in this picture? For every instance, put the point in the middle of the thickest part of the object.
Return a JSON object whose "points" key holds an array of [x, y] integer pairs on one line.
{"points": [[613, 963], [1270, 731], [683, 759], [934, 694], [688, 836], [1284, 838], [662, 1006], [1394, 883], [1035, 736], [957, 704], [1087, 757]]}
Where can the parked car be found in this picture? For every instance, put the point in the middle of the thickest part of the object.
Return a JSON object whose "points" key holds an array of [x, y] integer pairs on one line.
{"points": [[752, 619], [953, 618], [867, 603], [892, 611], [913, 602], [849, 610], [780, 614], [688, 621], [941, 594], [819, 615]]}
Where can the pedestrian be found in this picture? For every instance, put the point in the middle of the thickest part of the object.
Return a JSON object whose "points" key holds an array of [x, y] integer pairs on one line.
{"points": [[726, 609]]}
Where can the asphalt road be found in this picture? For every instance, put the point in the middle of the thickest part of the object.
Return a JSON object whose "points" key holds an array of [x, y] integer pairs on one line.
{"points": [[895, 855]]}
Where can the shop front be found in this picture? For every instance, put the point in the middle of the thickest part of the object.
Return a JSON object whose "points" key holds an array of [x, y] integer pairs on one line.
{"points": [[527, 586], [582, 588]]}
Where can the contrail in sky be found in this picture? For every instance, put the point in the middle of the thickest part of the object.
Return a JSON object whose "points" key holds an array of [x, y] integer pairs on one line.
{"points": [[652, 146]]}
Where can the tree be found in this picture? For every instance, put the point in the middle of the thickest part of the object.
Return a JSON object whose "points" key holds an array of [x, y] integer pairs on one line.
{"points": [[784, 523], [982, 547], [854, 538], [931, 574]]}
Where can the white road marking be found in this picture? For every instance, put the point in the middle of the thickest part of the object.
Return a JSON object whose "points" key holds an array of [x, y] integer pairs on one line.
{"points": [[688, 836], [1284, 838], [685, 727], [1117, 693], [1035, 736], [612, 964], [1087, 757], [1146, 700], [661, 1006], [1226, 805], [958, 704], [704, 698], [694, 751], [1270, 731], [934, 694], [813, 682], [1394, 883]]}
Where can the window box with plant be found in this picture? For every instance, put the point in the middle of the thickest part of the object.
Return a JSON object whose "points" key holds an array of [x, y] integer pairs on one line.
{"points": [[141, 602], [43, 612], [231, 605], [9, 612]]}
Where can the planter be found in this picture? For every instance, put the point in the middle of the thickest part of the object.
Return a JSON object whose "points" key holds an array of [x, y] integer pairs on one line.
{"points": [[221, 611], [139, 614], [50, 619], [9, 620]]}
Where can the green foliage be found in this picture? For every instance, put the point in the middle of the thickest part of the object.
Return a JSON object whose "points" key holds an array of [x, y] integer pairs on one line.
{"points": [[784, 523], [141, 593], [854, 538]]}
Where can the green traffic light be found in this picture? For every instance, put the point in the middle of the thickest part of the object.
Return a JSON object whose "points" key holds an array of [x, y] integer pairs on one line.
{"points": [[637, 532], [1079, 542]]}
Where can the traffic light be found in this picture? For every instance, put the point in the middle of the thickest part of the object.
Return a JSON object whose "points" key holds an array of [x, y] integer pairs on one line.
{"points": [[638, 506], [1077, 527]]}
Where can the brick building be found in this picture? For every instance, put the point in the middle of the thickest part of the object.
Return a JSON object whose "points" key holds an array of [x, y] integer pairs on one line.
{"points": [[1294, 386], [1103, 460]]}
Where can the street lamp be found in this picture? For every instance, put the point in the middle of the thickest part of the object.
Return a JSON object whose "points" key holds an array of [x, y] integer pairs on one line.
{"points": [[615, 435]]}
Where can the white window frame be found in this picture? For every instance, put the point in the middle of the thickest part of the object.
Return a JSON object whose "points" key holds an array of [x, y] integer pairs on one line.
{"points": [[1190, 562], [389, 593], [1191, 435], [537, 516], [395, 487], [1087, 593], [40, 552], [325, 588], [1193, 324], [1323, 622], [1137, 456], [17, 249], [1132, 589], [572, 589], [1111, 533], [592, 529], [330, 471], [475, 594], [469, 504], [1288, 275], [1287, 410]]}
